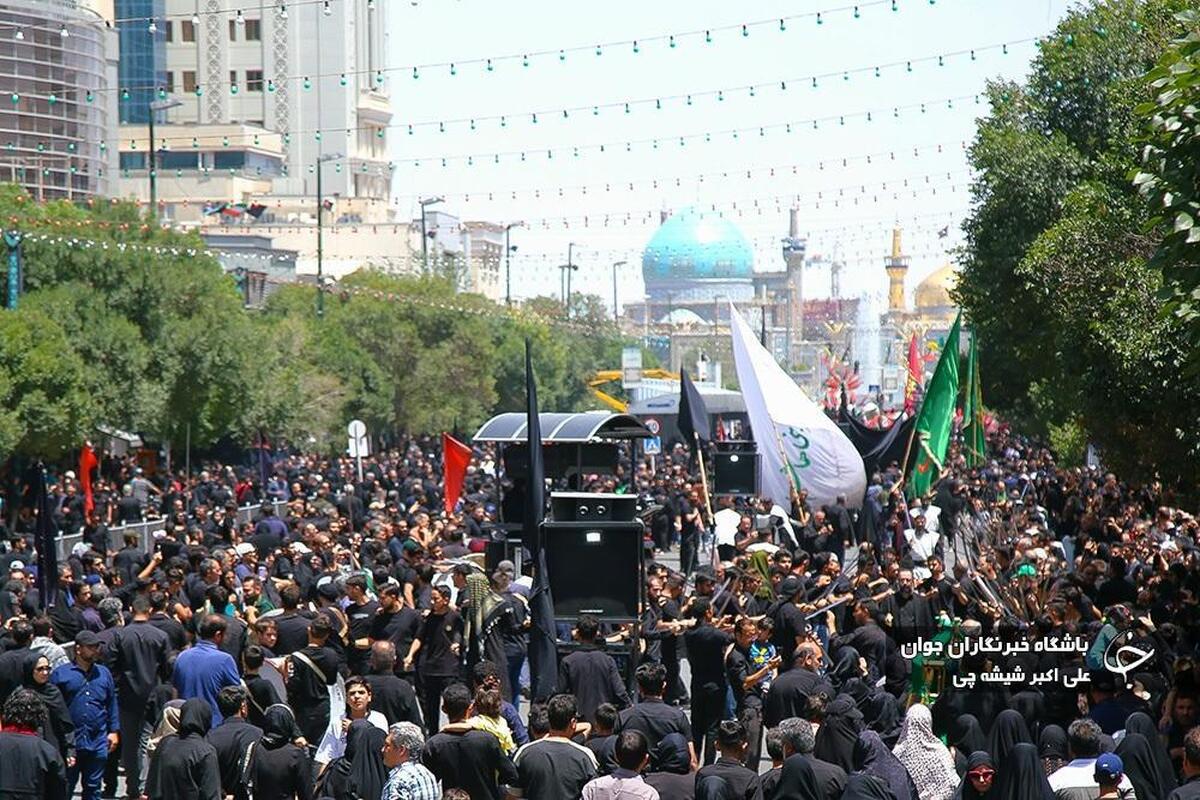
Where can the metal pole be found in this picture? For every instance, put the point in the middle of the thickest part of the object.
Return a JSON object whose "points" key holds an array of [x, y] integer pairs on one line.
{"points": [[153, 171], [507, 267], [570, 269], [424, 244], [616, 317], [187, 452], [320, 244]]}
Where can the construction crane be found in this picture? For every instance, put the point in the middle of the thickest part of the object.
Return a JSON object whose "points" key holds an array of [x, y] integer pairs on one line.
{"points": [[605, 376]]}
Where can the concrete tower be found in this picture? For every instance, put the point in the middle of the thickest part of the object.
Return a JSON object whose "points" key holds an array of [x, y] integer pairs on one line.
{"points": [[794, 247], [897, 267]]}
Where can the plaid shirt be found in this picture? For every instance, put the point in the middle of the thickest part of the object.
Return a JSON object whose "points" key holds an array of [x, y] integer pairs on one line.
{"points": [[411, 781]]}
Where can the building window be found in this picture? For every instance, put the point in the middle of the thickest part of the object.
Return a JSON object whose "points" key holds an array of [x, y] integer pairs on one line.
{"points": [[189, 81], [254, 80], [169, 30], [170, 83], [187, 30], [232, 31], [233, 79], [253, 30]]}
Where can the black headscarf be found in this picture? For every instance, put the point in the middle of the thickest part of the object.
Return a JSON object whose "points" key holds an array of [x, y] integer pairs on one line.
{"points": [[1138, 758], [671, 755], [360, 772], [1052, 743], [195, 718], [797, 781], [714, 787], [866, 787], [966, 735], [278, 726], [966, 789], [1021, 776], [838, 733], [1008, 730], [1140, 722], [60, 728], [872, 757]]}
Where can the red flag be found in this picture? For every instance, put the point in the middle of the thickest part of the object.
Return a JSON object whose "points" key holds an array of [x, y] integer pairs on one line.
{"points": [[913, 382], [455, 458], [87, 463]]}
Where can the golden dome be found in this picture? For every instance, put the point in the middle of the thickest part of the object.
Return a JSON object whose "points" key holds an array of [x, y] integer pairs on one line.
{"points": [[934, 292]]}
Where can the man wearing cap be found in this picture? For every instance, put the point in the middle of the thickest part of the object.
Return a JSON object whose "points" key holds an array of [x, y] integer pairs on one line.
{"points": [[1109, 773], [91, 698]]}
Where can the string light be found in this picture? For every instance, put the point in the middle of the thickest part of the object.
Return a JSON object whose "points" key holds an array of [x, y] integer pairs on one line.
{"points": [[327, 9]]}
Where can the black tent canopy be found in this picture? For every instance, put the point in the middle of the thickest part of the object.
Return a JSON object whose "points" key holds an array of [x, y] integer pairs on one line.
{"points": [[586, 427]]}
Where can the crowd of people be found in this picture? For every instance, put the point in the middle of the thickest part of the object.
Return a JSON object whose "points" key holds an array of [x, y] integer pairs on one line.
{"points": [[350, 639]]}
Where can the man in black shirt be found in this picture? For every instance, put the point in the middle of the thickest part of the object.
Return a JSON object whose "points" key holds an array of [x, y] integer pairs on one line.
{"points": [[391, 696], [731, 742], [439, 645], [746, 682], [689, 522], [291, 625], [138, 657], [313, 671], [173, 628], [790, 625], [395, 622], [554, 766], [232, 739], [471, 761], [651, 716], [790, 691], [591, 674], [360, 613], [706, 655]]}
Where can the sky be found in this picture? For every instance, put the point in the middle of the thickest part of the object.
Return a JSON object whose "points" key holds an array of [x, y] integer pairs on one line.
{"points": [[852, 178]]}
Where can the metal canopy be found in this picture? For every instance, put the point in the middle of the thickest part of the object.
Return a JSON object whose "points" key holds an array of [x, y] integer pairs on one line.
{"points": [[579, 428]]}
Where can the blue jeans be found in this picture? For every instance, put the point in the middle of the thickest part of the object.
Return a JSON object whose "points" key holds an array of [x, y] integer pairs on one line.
{"points": [[90, 766], [515, 662]]}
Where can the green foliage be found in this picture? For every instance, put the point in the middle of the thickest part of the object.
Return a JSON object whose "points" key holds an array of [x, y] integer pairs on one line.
{"points": [[1056, 275], [1169, 179], [139, 328]]}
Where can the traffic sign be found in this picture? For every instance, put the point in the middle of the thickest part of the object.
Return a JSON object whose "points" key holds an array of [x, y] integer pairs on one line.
{"points": [[652, 446], [653, 425]]}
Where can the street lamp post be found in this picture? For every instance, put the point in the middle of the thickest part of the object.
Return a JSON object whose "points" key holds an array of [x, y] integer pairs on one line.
{"points": [[320, 233], [569, 267], [155, 107], [616, 317], [508, 250], [425, 203]]}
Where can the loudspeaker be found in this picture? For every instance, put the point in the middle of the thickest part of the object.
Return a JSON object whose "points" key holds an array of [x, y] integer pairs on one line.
{"points": [[735, 473], [595, 568], [589, 507], [734, 446]]}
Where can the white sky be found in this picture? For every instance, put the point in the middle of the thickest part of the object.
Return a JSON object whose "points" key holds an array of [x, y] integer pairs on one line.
{"points": [[858, 229]]}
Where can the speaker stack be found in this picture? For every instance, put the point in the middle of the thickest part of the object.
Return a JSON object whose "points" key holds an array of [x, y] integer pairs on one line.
{"points": [[593, 547], [735, 469]]}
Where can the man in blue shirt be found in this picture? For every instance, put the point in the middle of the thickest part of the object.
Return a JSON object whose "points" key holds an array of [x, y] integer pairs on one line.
{"points": [[91, 697], [204, 670]]}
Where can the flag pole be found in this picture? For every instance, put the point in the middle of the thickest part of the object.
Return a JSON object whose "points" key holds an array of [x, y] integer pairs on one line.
{"points": [[703, 475]]}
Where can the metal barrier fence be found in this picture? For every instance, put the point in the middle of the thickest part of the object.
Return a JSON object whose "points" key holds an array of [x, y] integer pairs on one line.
{"points": [[145, 531]]}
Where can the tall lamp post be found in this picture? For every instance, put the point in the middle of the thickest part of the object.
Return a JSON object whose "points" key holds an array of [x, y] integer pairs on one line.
{"points": [[425, 203], [569, 267], [508, 251], [155, 107], [320, 233], [616, 316]]}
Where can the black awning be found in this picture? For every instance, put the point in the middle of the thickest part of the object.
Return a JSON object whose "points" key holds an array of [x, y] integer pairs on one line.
{"points": [[578, 428]]}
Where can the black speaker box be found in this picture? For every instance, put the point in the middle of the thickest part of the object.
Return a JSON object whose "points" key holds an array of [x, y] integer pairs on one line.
{"points": [[590, 507], [595, 568], [735, 473], [734, 446]]}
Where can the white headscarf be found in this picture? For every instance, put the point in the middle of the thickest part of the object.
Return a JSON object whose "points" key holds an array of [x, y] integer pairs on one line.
{"points": [[927, 760]]}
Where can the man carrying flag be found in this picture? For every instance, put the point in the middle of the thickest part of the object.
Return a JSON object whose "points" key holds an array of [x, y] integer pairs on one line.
{"points": [[974, 440], [543, 652]]}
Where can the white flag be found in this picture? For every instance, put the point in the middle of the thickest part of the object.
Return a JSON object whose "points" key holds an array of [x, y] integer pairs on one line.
{"points": [[792, 434]]}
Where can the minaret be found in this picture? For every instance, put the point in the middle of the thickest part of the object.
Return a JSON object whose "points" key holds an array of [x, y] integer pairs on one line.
{"points": [[896, 267], [794, 248]]}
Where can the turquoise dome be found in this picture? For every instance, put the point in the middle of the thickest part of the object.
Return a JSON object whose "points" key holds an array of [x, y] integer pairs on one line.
{"points": [[697, 245]]}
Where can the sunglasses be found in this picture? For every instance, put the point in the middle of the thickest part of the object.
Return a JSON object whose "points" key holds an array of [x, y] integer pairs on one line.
{"points": [[41, 669], [981, 775]]}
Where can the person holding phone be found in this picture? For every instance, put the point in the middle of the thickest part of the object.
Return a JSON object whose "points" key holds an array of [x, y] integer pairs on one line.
{"points": [[747, 680]]}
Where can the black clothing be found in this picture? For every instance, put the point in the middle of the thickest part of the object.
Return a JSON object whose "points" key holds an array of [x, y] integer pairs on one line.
{"points": [[706, 655], [591, 675], [137, 656], [280, 770], [360, 773], [789, 692], [866, 787], [790, 625], [184, 766], [359, 620], [1008, 731], [744, 782], [237, 636], [292, 627], [1189, 790], [470, 761], [12, 670], [672, 785], [1021, 777], [839, 733], [655, 719], [262, 695], [1141, 769], [232, 739], [29, 767], [308, 691], [553, 768], [395, 698], [173, 628], [797, 780], [603, 747], [399, 628], [437, 633], [831, 779], [59, 728]]}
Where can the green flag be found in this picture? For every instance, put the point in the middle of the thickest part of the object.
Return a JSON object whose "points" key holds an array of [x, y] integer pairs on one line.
{"points": [[935, 418], [974, 442]]}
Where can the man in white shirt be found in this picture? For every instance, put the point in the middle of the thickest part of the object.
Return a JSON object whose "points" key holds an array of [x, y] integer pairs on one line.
{"points": [[1076, 780], [923, 545], [632, 754]]}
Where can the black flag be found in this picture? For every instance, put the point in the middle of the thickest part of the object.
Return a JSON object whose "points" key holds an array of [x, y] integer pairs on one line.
{"points": [[693, 415], [45, 537], [543, 653]]}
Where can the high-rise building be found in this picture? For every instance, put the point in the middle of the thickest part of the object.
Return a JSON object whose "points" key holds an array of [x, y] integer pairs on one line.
{"points": [[308, 71], [58, 118], [143, 70]]}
